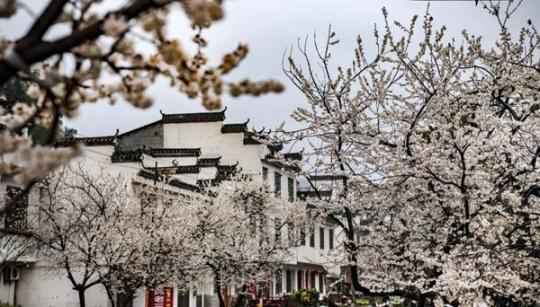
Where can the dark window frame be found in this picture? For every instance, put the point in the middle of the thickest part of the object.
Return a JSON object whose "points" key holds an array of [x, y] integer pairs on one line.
{"points": [[331, 238], [265, 173], [288, 281], [277, 229], [290, 189], [279, 282], [312, 237], [321, 237], [277, 184]]}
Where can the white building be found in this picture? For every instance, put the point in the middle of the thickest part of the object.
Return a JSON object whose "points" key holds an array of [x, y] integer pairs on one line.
{"points": [[195, 149]]}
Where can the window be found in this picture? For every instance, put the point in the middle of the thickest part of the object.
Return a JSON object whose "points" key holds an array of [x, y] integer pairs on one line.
{"points": [[277, 184], [302, 235], [321, 238], [290, 187], [279, 287], [300, 280], [277, 229], [265, 174], [290, 234], [321, 283], [16, 213], [288, 281], [331, 238], [312, 237]]}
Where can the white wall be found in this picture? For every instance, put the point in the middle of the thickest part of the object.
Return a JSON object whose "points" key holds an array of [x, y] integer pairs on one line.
{"points": [[209, 138], [41, 286], [284, 180]]}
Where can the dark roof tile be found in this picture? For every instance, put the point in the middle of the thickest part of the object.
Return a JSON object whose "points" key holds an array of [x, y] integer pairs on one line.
{"points": [[119, 156], [201, 117], [234, 128], [327, 177], [174, 152], [208, 162], [88, 141], [293, 156]]}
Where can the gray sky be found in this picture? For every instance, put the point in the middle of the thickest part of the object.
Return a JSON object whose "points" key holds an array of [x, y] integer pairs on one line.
{"points": [[270, 27]]}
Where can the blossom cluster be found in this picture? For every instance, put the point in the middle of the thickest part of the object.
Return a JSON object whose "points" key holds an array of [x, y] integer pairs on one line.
{"points": [[127, 234], [439, 142], [114, 55]]}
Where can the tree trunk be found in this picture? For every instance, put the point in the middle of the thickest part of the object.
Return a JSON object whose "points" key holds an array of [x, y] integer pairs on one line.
{"points": [[110, 294], [241, 300], [127, 299], [82, 299], [217, 285]]}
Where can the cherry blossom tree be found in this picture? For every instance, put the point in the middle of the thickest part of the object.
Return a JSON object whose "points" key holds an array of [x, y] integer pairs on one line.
{"points": [[101, 230], [87, 51], [242, 229], [435, 144], [125, 235], [74, 209], [150, 244]]}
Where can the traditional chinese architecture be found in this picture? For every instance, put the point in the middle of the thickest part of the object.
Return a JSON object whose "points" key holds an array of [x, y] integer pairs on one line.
{"points": [[188, 152]]}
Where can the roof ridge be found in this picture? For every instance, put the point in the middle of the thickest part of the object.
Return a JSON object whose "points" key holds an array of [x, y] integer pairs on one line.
{"points": [[193, 113]]}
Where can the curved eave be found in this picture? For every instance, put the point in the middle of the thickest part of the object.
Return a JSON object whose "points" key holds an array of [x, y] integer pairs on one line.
{"points": [[235, 128]]}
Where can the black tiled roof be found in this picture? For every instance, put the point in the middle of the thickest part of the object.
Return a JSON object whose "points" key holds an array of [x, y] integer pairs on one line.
{"points": [[174, 152], [184, 185], [208, 162], [275, 147], [313, 194], [234, 128], [293, 156], [127, 156], [249, 139], [201, 117], [88, 141], [187, 169], [327, 177], [149, 175]]}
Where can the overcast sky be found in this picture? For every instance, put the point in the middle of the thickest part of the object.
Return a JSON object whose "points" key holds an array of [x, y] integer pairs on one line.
{"points": [[270, 27]]}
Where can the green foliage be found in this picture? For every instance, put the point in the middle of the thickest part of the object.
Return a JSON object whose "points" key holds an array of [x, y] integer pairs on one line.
{"points": [[362, 302], [306, 297], [8, 305], [14, 91], [394, 301]]}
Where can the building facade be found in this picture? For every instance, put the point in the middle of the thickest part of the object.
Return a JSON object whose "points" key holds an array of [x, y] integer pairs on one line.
{"points": [[194, 149]]}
